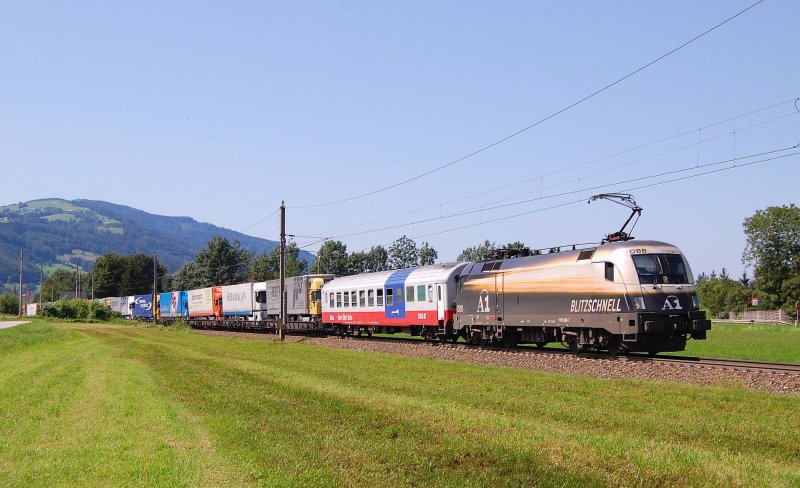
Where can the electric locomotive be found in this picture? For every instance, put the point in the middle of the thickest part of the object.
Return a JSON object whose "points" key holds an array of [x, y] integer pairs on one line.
{"points": [[636, 295]]}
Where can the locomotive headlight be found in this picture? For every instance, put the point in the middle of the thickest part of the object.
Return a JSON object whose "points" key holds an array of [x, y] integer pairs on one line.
{"points": [[638, 303], [695, 301]]}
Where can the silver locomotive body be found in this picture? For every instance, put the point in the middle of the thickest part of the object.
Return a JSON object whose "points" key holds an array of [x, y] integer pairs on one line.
{"points": [[636, 295]]}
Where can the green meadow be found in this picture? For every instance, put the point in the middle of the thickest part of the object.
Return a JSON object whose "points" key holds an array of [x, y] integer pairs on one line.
{"points": [[121, 405], [758, 342]]}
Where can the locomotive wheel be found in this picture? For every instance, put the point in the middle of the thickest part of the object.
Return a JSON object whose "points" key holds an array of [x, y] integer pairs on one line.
{"points": [[573, 344], [614, 344]]}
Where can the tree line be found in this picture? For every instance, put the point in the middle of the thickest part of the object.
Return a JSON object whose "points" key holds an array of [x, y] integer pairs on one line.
{"points": [[772, 252]]}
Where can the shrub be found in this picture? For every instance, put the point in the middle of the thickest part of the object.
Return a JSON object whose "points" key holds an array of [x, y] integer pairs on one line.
{"points": [[9, 304]]}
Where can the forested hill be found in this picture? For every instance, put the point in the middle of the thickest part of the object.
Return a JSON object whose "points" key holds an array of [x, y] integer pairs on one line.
{"points": [[56, 231]]}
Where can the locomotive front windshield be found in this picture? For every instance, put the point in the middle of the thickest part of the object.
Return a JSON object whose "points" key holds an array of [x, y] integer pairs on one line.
{"points": [[660, 269]]}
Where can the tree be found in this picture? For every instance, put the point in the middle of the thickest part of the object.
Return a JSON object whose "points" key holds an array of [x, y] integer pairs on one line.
{"points": [[403, 253], [60, 280], [332, 258], [118, 275], [720, 295], [223, 263], [108, 270], [477, 253], [188, 277], [377, 259], [515, 245], [427, 254], [267, 266], [9, 304], [773, 250], [357, 263]]}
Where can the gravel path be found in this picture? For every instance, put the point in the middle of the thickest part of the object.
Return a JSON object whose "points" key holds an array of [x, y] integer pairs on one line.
{"points": [[557, 363], [6, 325]]}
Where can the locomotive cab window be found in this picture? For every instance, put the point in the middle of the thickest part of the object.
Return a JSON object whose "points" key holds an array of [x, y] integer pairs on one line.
{"points": [[389, 298], [398, 294], [610, 271], [661, 269]]}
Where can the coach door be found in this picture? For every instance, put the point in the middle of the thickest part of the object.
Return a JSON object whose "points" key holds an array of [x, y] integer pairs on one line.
{"points": [[440, 298], [499, 282]]}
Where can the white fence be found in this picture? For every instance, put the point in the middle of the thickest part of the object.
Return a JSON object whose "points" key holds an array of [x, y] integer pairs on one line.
{"points": [[763, 316]]}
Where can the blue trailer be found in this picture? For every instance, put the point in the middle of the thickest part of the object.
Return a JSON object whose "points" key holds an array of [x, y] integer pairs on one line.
{"points": [[143, 307], [173, 304]]}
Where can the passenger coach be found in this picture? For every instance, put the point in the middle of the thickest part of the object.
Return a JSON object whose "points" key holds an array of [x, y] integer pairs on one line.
{"points": [[420, 301]]}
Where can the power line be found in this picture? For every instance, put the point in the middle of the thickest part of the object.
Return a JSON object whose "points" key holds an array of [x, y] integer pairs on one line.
{"points": [[542, 188], [587, 189], [573, 202], [531, 126], [262, 220]]}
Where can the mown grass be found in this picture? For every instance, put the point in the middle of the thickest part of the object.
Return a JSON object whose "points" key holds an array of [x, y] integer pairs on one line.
{"points": [[759, 342], [92, 404]]}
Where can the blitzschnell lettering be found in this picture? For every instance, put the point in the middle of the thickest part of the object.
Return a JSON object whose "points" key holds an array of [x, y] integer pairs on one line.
{"points": [[595, 305]]}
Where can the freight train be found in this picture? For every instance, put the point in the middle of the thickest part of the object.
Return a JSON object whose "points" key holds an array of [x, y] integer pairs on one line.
{"points": [[625, 295]]}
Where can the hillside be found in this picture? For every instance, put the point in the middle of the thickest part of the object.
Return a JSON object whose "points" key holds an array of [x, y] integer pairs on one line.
{"points": [[61, 232]]}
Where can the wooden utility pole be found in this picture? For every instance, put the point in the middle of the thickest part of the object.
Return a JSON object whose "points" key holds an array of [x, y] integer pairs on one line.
{"points": [[155, 280], [282, 325], [21, 271]]}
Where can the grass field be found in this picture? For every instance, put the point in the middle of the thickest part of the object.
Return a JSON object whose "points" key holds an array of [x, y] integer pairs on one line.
{"points": [[761, 342], [99, 404]]}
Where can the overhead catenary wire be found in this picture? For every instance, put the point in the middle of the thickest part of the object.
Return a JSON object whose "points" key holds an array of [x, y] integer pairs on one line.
{"points": [[586, 163], [574, 202], [539, 122], [573, 192]]}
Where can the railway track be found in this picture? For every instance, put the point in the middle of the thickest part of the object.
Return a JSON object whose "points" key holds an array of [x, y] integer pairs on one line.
{"points": [[730, 364], [690, 361]]}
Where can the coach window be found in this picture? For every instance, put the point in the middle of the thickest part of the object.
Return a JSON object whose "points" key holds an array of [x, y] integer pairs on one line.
{"points": [[346, 299], [399, 293], [338, 299], [362, 301], [389, 299], [353, 299], [610, 271], [379, 297], [409, 293], [430, 292], [371, 298], [333, 299], [420, 293]]}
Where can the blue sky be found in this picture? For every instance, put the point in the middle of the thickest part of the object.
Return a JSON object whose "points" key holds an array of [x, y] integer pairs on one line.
{"points": [[220, 111]]}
